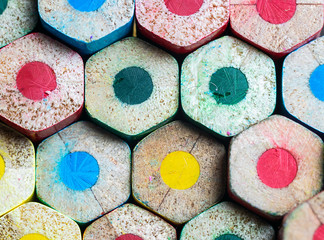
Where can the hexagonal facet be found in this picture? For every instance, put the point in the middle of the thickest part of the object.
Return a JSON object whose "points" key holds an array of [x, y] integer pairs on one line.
{"points": [[274, 166], [83, 171], [17, 18], [42, 85], [17, 169], [87, 25], [305, 221], [130, 222], [277, 27], [138, 89], [36, 221], [182, 26], [228, 86], [303, 84], [178, 171], [227, 220]]}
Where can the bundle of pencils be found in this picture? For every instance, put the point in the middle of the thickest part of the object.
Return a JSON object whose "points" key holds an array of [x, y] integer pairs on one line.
{"points": [[161, 119]]}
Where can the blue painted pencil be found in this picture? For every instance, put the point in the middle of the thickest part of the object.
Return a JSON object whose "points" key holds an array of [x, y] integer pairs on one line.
{"points": [[303, 84], [87, 25], [83, 171]]}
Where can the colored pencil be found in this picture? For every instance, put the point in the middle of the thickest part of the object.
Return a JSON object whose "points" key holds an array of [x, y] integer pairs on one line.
{"points": [[83, 171], [178, 171]]}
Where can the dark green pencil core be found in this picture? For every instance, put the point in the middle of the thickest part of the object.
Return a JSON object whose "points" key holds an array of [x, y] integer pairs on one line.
{"points": [[133, 85], [228, 237], [3, 5], [228, 85]]}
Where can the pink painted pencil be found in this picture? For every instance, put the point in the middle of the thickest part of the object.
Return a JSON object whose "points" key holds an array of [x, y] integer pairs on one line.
{"points": [[130, 222], [305, 221], [181, 26], [274, 166], [42, 85], [277, 26]]}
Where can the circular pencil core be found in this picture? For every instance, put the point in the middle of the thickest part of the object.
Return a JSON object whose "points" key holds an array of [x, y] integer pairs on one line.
{"points": [[316, 82], [277, 168], [3, 5], [34, 236], [86, 5], [276, 11], [133, 85], [2, 167], [319, 233], [228, 237], [183, 7], [79, 170], [180, 170], [228, 85], [35, 80], [129, 237]]}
